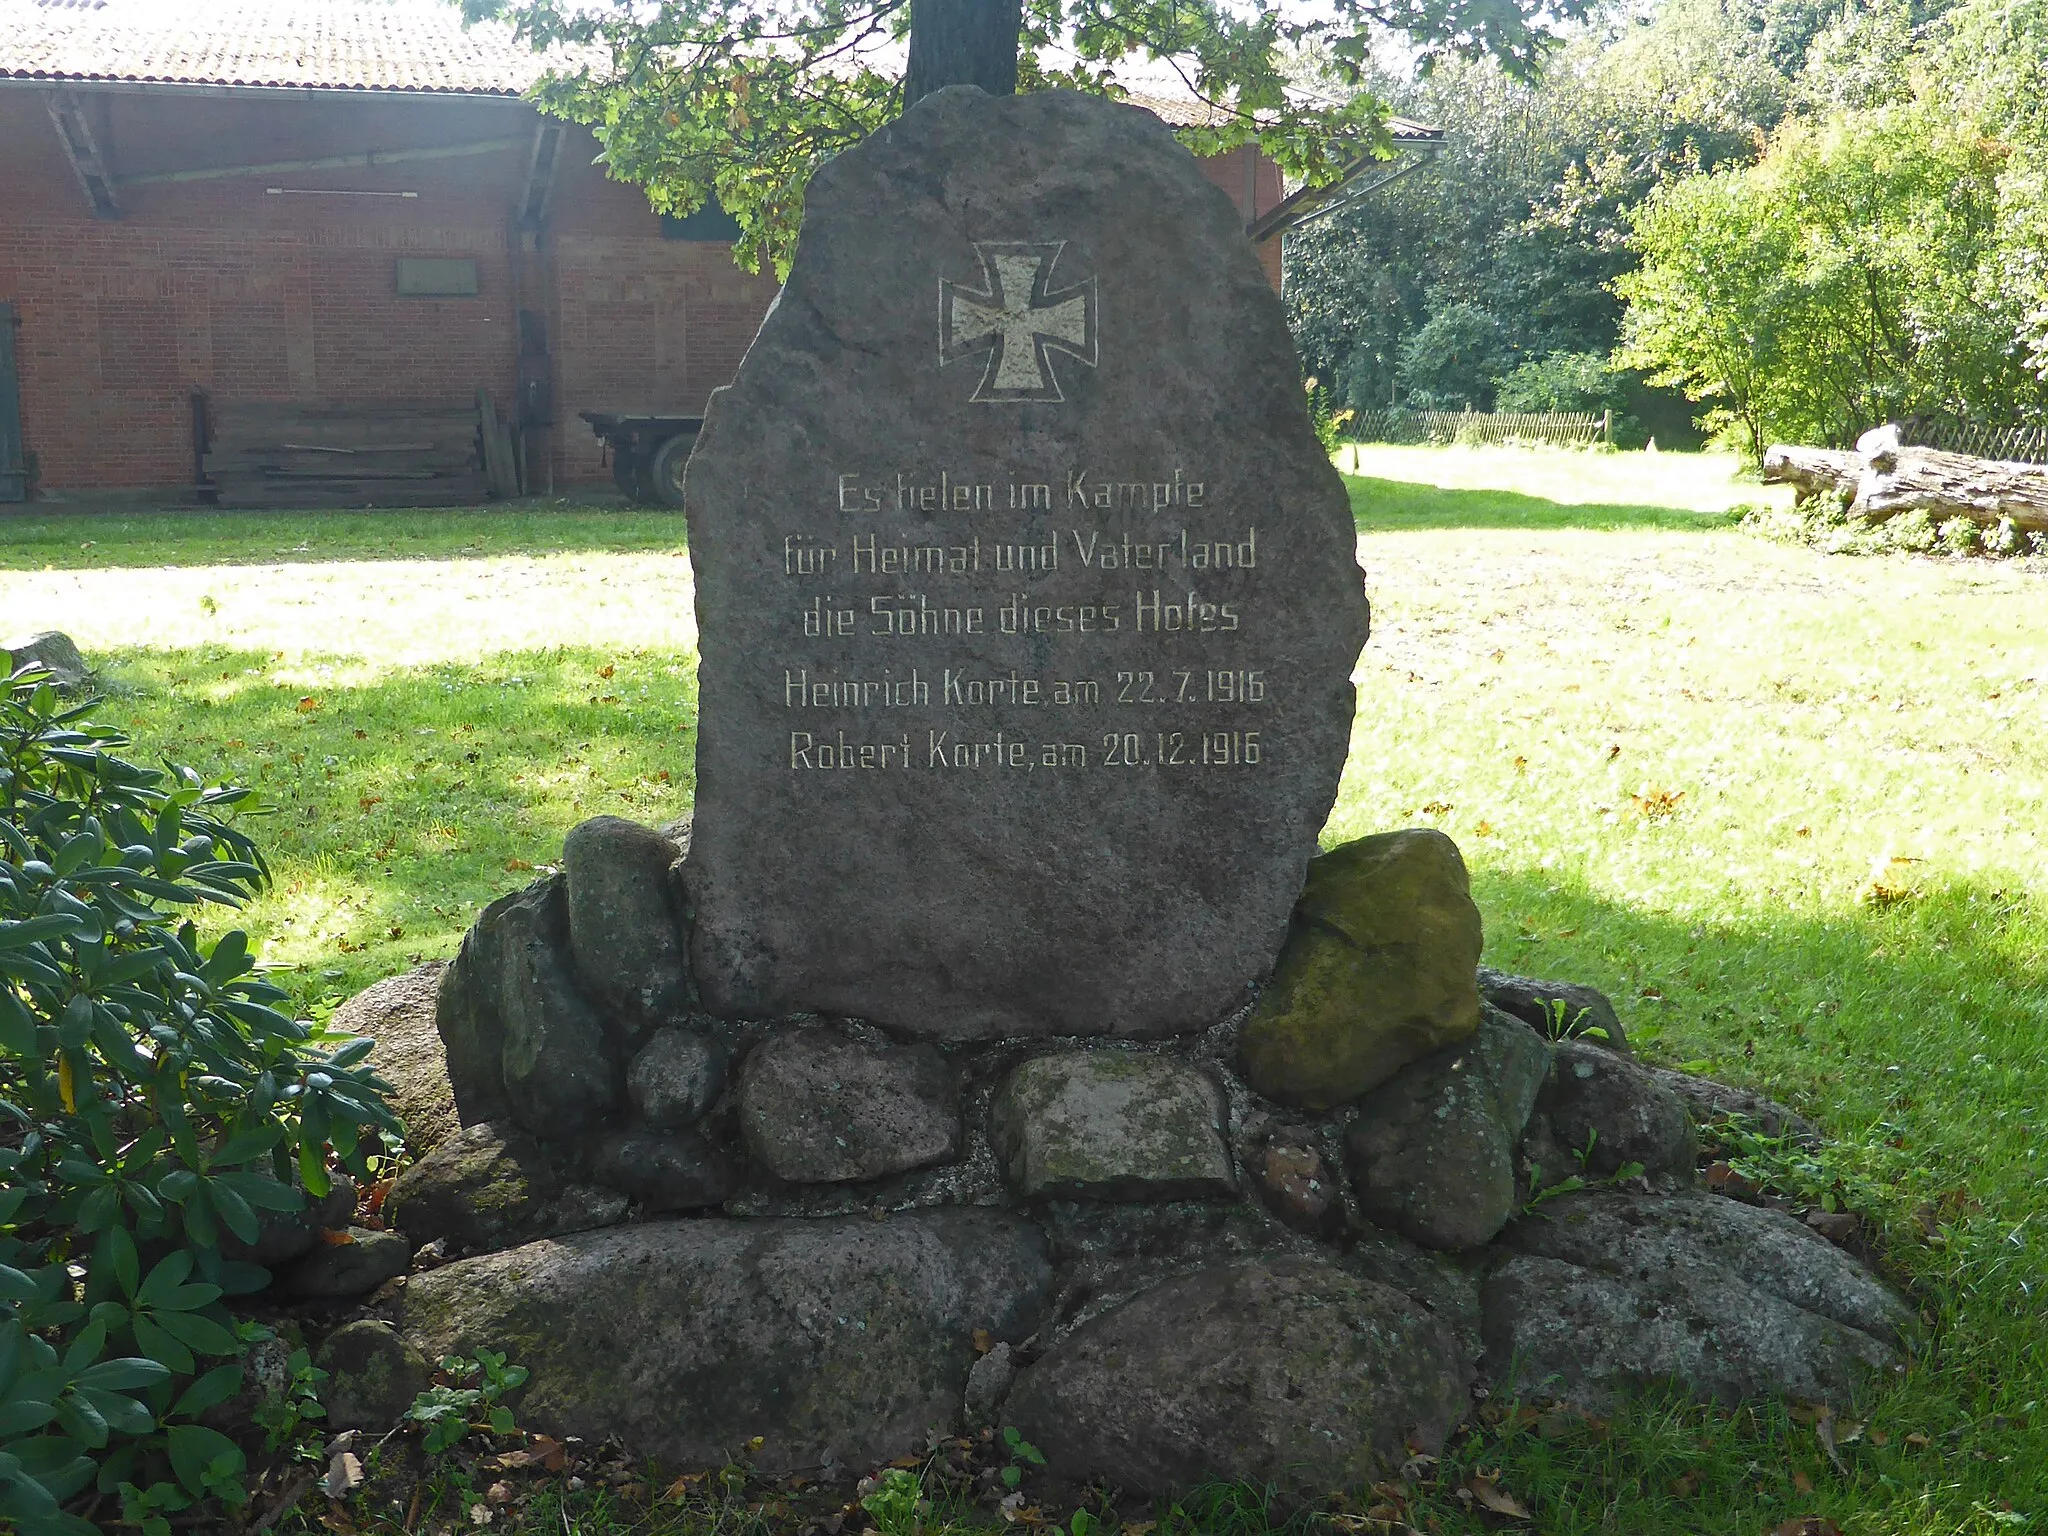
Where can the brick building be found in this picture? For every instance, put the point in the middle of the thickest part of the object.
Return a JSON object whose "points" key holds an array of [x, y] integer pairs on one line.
{"points": [[336, 202]]}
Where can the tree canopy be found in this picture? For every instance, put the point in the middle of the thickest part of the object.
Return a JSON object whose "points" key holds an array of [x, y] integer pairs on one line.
{"points": [[740, 100]]}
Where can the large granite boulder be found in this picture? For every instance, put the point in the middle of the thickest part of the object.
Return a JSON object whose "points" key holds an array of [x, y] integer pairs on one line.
{"points": [[1380, 970], [51, 652], [1599, 1113], [522, 1039], [818, 1107], [841, 1343], [491, 1186], [1433, 1150], [1112, 1125], [1292, 1371], [1028, 600], [625, 920], [1607, 1293], [1557, 1010], [398, 1012]]}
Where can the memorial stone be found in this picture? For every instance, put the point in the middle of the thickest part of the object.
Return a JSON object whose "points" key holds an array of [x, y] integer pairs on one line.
{"points": [[1027, 598]]}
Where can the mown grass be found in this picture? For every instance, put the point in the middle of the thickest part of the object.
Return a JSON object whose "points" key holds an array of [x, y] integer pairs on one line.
{"points": [[1788, 809]]}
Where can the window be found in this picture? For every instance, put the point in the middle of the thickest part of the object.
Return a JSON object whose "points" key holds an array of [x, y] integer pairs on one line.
{"points": [[444, 277]]}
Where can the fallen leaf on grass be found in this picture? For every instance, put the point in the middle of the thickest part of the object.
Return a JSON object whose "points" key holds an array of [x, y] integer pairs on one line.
{"points": [[516, 866], [1655, 804], [1918, 1441], [1886, 885], [1801, 1483], [1809, 1525], [1437, 808], [1685, 1485], [1482, 829], [1484, 1489], [308, 704], [606, 670], [368, 801]]}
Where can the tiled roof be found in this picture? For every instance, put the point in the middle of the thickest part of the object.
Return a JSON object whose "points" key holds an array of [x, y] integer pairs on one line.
{"points": [[368, 45], [362, 45]]}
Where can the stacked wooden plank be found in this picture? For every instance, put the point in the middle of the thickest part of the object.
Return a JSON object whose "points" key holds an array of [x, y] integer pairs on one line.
{"points": [[263, 454]]}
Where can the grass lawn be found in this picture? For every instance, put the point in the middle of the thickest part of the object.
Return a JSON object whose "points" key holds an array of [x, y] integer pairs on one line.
{"points": [[1788, 809]]}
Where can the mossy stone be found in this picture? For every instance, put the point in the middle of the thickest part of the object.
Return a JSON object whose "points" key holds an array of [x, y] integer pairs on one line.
{"points": [[1112, 1125], [373, 1375], [1380, 969]]}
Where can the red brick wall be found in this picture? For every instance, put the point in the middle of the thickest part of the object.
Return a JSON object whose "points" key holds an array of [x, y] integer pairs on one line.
{"points": [[220, 285], [1227, 171], [223, 286]]}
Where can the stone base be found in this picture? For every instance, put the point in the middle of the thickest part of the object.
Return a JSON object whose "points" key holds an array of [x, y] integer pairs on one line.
{"points": [[840, 1241]]}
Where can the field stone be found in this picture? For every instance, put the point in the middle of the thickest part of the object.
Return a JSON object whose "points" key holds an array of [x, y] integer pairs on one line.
{"points": [[492, 1186], [664, 1171], [55, 653], [398, 1013], [1536, 1004], [841, 1342], [354, 1268], [1692, 1231], [1291, 1371], [282, 1236], [1709, 1103], [988, 1383], [1112, 1125], [625, 929], [819, 1107], [1558, 1330], [373, 1375], [1379, 970], [1595, 1100], [976, 902], [522, 1040], [1296, 1183], [1432, 1151], [675, 1078], [1609, 1293]]}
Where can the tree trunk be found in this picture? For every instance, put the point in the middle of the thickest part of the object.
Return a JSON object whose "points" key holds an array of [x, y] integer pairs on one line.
{"points": [[1885, 479], [962, 42]]}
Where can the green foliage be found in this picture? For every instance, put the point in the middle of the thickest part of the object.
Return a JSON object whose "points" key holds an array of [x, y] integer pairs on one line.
{"points": [[467, 1397], [741, 100], [1563, 381], [284, 1416], [896, 1502], [1524, 213], [1326, 417], [1848, 278], [1022, 1454], [153, 1101]]}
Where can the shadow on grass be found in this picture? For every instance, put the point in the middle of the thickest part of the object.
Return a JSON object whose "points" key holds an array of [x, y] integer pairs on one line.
{"points": [[127, 539], [1393, 506], [1917, 1034]]}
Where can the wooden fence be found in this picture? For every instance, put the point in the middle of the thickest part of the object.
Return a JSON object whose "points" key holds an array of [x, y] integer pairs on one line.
{"points": [[1563, 429], [2022, 445]]}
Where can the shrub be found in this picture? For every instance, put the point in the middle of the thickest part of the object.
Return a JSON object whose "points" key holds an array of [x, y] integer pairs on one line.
{"points": [[1563, 381], [1959, 536], [153, 1098]]}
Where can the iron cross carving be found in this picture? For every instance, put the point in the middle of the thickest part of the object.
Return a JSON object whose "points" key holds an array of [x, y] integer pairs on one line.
{"points": [[1019, 319]]}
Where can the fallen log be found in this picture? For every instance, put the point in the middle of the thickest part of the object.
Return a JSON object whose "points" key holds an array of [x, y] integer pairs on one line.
{"points": [[1882, 478]]}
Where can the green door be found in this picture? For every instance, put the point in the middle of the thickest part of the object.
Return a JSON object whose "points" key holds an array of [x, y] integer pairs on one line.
{"points": [[13, 472]]}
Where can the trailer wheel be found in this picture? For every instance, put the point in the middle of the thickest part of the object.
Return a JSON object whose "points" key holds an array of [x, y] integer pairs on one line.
{"points": [[665, 475]]}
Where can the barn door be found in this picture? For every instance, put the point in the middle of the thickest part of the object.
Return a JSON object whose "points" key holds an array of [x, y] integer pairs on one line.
{"points": [[13, 472]]}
